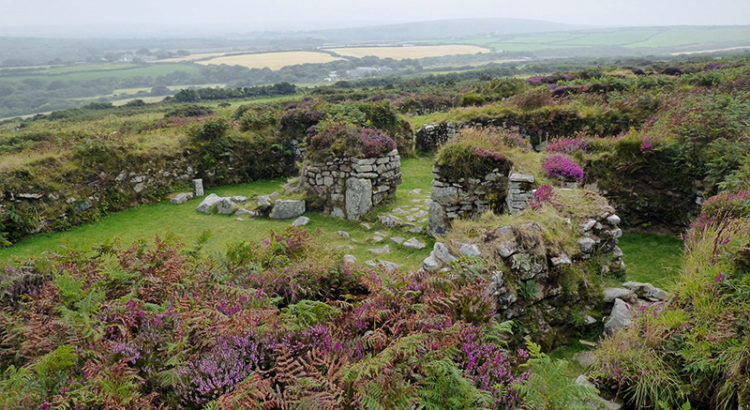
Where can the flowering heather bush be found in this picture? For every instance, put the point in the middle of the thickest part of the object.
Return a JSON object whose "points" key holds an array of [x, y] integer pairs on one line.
{"points": [[647, 144], [568, 145], [463, 160], [491, 368], [560, 166], [375, 143], [219, 370], [543, 194], [346, 140]]}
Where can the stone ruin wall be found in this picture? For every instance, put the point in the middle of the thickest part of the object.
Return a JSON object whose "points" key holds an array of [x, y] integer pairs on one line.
{"points": [[470, 198], [431, 136], [350, 187]]}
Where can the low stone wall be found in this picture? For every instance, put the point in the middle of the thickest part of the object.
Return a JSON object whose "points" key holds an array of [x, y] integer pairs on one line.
{"points": [[350, 187], [539, 281], [470, 198], [431, 136]]}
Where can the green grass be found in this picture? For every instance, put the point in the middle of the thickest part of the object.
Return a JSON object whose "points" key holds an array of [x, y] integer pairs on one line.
{"points": [[145, 222], [652, 258]]}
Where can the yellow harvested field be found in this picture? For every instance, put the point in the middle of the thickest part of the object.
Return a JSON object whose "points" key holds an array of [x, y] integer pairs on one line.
{"points": [[400, 53], [274, 61]]}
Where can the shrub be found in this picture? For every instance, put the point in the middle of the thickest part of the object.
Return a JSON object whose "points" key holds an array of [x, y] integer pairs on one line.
{"points": [[342, 141], [189, 111], [543, 194], [562, 167]]}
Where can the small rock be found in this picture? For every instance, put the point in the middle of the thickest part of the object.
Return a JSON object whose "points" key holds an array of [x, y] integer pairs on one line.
{"points": [[181, 198], [442, 253], [338, 213], [287, 209], [646, 291], [414, 243], [274, 195], [415, 191], [588, 225], [390, 221], [610, 294], [225, 206], [469, 250], [587, 343], [563, 259], [587, 245], [430, 263], [380, 251], [301, 221], [350, 259], [245, 211], [619, 318], [239, 198], [366, 225], [582, 380], [239, 219], [416, 229], [613, 220], [397, 239], [264, 202], [208, 203], [139, 187], [344, 234], [589, 320], [378, 238], [342, 247], [400, 211]]}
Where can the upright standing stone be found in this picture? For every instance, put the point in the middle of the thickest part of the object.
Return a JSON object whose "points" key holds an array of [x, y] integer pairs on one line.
{"points": [[358, 197], [198, 187]]}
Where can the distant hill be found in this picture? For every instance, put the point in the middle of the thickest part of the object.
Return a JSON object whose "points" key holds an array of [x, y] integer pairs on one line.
{"points": [[437, 30]]}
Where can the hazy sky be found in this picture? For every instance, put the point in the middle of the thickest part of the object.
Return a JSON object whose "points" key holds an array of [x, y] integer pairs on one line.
{"points": [[146, 17]]}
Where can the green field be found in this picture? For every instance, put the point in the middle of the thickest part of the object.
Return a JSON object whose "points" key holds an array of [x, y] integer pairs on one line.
{"points": [[632, 37], [77, 73], [164, 218]]}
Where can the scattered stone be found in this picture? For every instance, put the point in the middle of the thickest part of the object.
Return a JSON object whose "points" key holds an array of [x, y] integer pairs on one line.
{"points": [[274, 195], [239, 219], [390, 221], [562, 259], [442, 253], [610, 294], [582, 380], [198, 187], [208, 203], [430, 263], [416, 229], [239, 198], [378, 238], [469, 250], [619, 318], [344, 234], [245, 211], [29, 196], [397, 239], [342, 247], [139, 187], [181, 198], [415, 191], [414, 243], [366, 225], [380, 251], [646, 291], [589, 320], [286, 209], [350, 259], [225, 206], [301, 221]]}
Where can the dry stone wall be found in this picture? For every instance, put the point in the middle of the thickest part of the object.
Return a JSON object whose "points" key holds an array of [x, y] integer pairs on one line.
{"points": [[470, 198], [350, 187]]}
